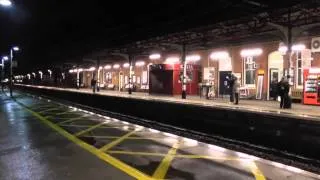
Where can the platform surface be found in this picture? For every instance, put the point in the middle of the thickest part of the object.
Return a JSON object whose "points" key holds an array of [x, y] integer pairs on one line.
{"points": [[43, 139]]}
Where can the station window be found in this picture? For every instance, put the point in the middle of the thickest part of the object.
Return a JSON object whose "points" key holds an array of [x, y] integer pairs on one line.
{"points": [[249, 71], [299, 70]]}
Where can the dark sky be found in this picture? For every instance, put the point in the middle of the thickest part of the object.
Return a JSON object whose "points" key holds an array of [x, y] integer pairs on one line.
{"points": [[54, 31]]}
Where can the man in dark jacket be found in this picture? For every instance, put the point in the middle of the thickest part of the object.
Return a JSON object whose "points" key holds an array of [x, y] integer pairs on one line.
{"points": [[283, 90], [93, 85]]}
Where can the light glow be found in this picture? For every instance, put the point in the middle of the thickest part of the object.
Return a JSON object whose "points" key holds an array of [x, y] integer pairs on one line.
{"points": [[71, 71], [5, 3], [107, 67], [92, 69], [219, 55], [125, 65], [16, 48], [172, 60], [251, 52], [116, 66], [154, 56], [298, 47], [193, 58], [140, 63], [5, 58]]}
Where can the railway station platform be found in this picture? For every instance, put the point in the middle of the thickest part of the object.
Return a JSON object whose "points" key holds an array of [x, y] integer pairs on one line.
{"points": [[46, 139]]}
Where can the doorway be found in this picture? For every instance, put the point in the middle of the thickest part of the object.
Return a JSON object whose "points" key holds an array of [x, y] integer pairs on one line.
{"points": [[275, 72]]}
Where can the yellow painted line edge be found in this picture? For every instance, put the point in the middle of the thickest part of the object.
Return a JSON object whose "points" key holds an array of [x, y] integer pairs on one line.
{"points": [[116, 142], [258, 175], [89, 129], [163, 167], [103, 156]]}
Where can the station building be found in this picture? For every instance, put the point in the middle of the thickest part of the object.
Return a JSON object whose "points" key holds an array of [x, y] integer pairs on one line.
{"points": [[256, 66]]}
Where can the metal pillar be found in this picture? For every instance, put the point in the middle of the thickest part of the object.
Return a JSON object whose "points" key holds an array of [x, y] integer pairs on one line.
{"points": [[184, 68], [78, 78], [11, 82], [98, 75], [130, 74]]}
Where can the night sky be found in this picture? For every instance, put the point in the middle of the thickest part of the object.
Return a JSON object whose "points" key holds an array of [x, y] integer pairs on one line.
{"points": [[51, 31]]}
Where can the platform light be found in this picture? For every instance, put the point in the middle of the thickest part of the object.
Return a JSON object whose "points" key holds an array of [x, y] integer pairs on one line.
{"points": [[107, 67], [193, 58], [298, 47], [125, 65], [116, 66], [29, 76], [5, 58], [251, 52], [6, 3], [154, 56], [283, 49], [100, 67], [71, 71], [172, 60], [34, 74], [219, 55], [16, 48], [80, 70], [92, 69], [140, 63]]}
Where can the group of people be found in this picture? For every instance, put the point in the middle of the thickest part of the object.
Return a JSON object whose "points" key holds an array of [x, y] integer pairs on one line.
{"points": [[280, 88]]}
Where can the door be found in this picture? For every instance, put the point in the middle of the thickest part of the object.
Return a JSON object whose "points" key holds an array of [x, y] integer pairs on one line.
{"points": [[224, 88], [273, 82]]}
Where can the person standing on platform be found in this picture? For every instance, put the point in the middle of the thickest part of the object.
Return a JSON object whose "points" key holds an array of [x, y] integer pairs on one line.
{"points": [[283, 90], [231, 81], [236, 88], [93, 85]]}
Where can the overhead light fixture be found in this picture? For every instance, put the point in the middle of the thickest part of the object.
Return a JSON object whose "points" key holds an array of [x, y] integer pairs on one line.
{"points": [[125, 65], [116, 66], [155, 56], [251, 52], [193, 58], [71, 71], [219, 55], [283, 49], [107, 67], [5, 3], [92, 69], [298, 47], [140, 63], [5, 58], [172, 60]]}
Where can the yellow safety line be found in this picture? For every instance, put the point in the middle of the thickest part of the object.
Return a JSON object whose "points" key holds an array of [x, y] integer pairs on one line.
{"points": [[70, 120], [103, 156], [136, 153], [256, 171], [162, 169], [48, 110], [129, 138], [175, 156], [88, 126], [89, 129], [116, 142], [65, 112]]}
